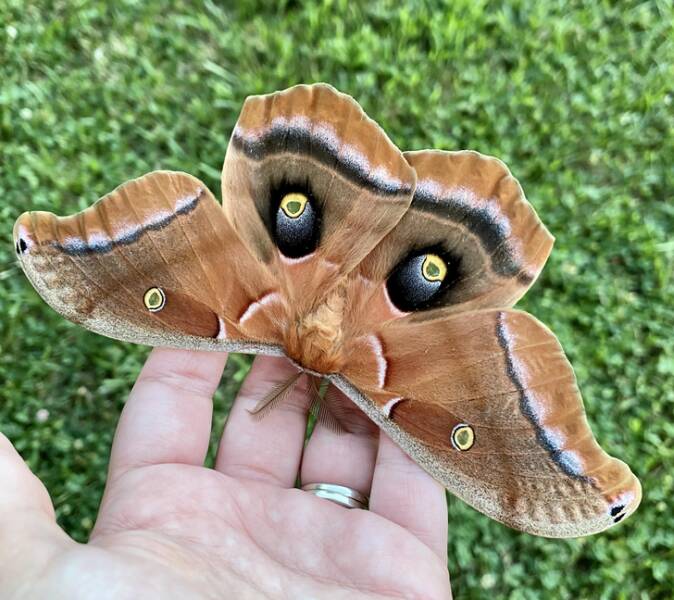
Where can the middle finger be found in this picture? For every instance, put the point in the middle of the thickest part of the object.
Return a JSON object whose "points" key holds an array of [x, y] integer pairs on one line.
{"points": [[269, 448]]}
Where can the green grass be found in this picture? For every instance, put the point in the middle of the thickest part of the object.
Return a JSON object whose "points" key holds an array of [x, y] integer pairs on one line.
{"points": [[577, 97]]}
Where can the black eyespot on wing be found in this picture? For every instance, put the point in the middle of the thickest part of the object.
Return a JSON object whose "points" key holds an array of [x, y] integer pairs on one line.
{"points": [[409, 290], [617, 509], [619, 518], [21, 246], [295, 235]]}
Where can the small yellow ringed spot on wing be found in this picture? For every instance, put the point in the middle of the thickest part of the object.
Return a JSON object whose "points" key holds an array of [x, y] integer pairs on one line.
{"points": [[434, 268], [154, 299], [293, 204], [463, 437]]}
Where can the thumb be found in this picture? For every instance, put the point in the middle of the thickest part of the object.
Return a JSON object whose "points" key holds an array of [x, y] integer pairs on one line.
{"points": [[20, 489], [29, 535]]}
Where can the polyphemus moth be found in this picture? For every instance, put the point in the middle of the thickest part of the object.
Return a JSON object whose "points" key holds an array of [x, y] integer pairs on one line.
{"points": [[392, 275]]}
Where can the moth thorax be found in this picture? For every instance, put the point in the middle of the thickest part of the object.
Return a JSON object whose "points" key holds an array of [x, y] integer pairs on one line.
{"points": [[316, 340]]}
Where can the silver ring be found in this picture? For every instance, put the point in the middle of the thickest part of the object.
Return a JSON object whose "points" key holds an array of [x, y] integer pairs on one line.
{"points": [[339, 494]]}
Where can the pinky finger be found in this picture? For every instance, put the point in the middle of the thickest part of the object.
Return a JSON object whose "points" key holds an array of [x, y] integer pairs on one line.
{"points": [[404, 493]]}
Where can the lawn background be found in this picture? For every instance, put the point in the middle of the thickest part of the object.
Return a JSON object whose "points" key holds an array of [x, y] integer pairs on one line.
{"points": [[576, 97]]}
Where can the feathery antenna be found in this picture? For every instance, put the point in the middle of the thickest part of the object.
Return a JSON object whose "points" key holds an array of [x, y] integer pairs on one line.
{"points": [[275, 396]]}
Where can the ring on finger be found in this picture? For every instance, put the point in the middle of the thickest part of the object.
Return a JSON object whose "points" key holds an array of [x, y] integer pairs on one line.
{"points": [[339, 494]]}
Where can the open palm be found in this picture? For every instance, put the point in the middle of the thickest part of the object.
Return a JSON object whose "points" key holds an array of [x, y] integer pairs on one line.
{"points": [[170, 528]]}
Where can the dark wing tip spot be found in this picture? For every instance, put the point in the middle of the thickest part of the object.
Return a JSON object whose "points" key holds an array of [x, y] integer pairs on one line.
{"points": [[21, 246], [619, 518], [617, 509]]}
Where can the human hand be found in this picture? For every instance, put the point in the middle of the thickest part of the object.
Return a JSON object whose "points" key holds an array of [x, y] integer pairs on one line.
{"points": [[170, 528]]}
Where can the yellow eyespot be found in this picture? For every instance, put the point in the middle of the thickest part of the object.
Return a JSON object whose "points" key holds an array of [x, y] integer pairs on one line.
{"points": [[293, 204], [463, 437], [154, 299], [434, 268]]}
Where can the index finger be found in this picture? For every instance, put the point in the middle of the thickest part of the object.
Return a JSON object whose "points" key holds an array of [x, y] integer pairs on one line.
{"points": [[404, 493], [167, 418]]}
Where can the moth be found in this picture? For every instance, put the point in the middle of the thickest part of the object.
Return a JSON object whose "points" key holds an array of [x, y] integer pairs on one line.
{"points": [[391, 275]]}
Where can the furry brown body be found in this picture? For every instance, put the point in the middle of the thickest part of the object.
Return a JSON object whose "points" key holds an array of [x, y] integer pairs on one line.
{"points": [[315, 339]]}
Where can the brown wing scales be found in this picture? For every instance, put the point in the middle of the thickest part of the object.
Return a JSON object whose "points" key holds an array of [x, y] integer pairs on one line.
{"points": [[533, 463], [164, 230], [480, 396]]}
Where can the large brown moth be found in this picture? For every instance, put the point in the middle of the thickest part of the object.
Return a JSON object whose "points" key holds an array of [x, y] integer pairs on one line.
{"points": [[391, 275]]}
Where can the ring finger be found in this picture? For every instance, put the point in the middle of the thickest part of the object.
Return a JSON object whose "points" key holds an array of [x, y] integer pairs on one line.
{"points": [[342, 457]]}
